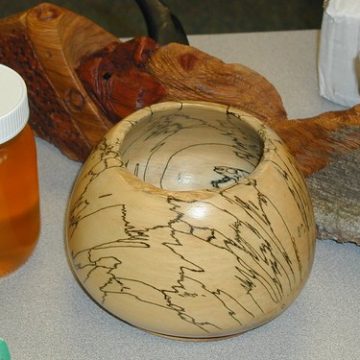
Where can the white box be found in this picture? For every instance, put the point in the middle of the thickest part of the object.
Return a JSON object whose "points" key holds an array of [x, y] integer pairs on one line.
{"points": [[339, 62]]}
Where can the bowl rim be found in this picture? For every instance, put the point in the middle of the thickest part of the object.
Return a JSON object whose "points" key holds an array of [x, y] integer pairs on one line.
{"points": [[265, 133]]}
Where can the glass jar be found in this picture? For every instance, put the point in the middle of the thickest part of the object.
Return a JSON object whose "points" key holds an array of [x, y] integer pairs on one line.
{"points": [[19, 190]]}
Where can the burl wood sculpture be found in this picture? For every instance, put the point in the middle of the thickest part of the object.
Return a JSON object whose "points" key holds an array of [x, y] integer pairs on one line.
{"points": [[82, 79]]}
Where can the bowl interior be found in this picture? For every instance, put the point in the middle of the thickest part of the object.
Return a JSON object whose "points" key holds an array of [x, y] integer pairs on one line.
{"points": [[191, 148]]}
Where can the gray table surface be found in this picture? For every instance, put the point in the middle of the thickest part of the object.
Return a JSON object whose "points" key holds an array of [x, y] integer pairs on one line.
{"points": [[44, 314]]}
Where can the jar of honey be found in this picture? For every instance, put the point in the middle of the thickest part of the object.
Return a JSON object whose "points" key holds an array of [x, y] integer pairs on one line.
{"points": [[19, 190]]}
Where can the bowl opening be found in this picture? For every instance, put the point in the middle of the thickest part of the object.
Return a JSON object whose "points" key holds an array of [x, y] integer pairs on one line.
{"points": [[191, 148]]}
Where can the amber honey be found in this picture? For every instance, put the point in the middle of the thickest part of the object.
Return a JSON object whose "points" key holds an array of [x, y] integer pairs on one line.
{"points": [[19, 200], [19, 192]]}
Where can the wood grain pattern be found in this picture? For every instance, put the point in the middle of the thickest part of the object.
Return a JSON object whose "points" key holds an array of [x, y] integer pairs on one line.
{"points": [[317, 141], [44, 45], [218, 259], [116, 80], [62, 57], [188, 73]]}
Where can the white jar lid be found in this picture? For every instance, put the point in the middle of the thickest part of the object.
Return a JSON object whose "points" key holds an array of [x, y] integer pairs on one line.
{"points": [[14, 107]]}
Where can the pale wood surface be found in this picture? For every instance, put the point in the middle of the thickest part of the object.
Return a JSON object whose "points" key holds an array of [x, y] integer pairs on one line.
{"points": [[64, 114], [184, 227], [323, 323], [292, 69]]}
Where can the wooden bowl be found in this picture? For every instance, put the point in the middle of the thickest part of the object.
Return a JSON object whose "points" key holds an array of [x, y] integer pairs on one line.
{"points": [[191, 220]]}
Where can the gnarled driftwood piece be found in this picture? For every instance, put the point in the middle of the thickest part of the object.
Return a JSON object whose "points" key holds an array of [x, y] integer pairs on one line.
{"points": [[45, 44]]}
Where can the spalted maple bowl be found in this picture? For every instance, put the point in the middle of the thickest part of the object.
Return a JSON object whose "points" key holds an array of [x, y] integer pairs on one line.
{"points": [[191, 220]]}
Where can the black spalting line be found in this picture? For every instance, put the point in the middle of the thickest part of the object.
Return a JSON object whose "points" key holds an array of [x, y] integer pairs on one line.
{"points": [[104, 195], [248, 277], [298, 192], [107, 151], [262, 221], [239, 259], [166, 125], [247, 273], [183, 149], [228, 174]]}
